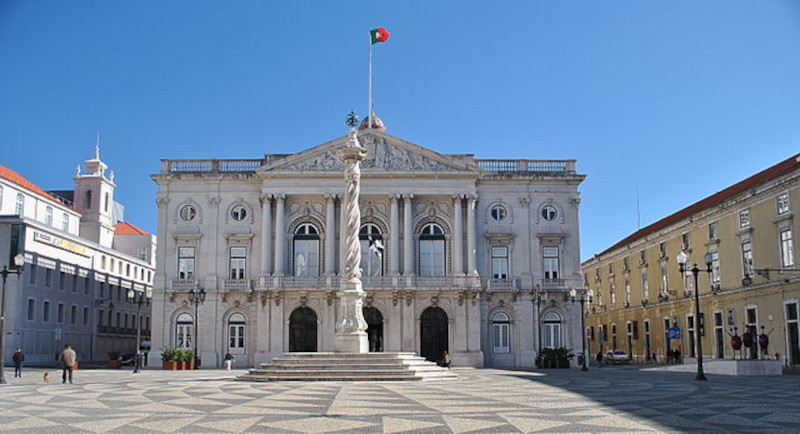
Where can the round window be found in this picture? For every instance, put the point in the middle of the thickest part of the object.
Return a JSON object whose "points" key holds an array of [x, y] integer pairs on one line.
{"points": [[238, 213], [549, 213], [499, 213], [188, 213]]}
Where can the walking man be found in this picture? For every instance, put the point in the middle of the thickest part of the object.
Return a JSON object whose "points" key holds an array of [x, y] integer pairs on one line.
{"points": [[67, 360], [228, 360], [18, 358]]}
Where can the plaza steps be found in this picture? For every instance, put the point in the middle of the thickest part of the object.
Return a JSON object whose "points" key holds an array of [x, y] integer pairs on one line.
{"points": [[349, 367]]}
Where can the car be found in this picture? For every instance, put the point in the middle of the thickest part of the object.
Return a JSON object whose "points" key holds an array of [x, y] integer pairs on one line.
{"points": [[615, 357]]}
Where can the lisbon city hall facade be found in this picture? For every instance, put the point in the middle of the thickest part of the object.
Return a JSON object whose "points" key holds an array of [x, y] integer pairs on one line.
{"points": [[473, 257]]}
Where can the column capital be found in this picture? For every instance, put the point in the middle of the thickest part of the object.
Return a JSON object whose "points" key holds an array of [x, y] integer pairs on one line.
{"points": [[472, 197], [331, 196], [459, 197], [265, 198], [395, 197], [408, 196], [279, 196]]}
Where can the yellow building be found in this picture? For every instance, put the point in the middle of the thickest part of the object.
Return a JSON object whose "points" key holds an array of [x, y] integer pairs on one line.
{"points": [[752, 286]]}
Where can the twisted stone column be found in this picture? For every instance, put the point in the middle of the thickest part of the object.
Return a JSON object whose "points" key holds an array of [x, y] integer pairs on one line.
{"points": [[350, 327]]}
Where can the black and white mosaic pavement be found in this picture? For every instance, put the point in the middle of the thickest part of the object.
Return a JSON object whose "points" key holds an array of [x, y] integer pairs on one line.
{"points": [[619, 399]]}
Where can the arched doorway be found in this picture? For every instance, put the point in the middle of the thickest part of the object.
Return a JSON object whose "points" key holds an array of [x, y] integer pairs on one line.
{"points": [[303, 330], [433, 334], [374, 320]]}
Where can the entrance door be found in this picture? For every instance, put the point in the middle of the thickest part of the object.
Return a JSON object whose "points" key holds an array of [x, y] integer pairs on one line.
{"points": [[374, 320], [303, 330], [433, 334]]}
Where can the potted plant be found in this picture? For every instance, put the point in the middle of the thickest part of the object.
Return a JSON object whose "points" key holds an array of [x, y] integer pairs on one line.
{"points": [[169, 360], [115, 359], [563, 356]]}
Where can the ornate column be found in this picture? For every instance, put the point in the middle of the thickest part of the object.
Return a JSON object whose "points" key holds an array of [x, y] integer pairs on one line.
{"points": [[472, 269], [280, 235], [330, 234], [266, 234], [350, 326], [394, 236], [458, 237], [408, 236]]}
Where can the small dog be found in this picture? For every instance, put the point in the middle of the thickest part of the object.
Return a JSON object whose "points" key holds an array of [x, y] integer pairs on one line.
{"points": [[46, 378]]}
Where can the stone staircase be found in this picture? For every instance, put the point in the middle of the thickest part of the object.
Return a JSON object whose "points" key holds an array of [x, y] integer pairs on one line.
{"points": [[349, 367]]}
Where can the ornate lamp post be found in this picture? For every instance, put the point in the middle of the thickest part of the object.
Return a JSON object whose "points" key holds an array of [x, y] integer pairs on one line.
{"points": [[585, 295], [350, 328], [132, 298], [196, 297], [682, 258], [19, 262]]}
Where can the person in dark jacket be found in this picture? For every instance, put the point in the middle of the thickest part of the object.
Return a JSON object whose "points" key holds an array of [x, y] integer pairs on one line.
{"points": [[18, 358]]}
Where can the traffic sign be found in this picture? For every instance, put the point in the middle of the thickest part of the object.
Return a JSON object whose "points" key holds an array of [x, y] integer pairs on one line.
{"points": [[674, 333]]}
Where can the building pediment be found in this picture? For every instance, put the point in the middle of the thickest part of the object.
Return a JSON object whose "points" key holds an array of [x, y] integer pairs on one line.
{"points": [[385, 153]]}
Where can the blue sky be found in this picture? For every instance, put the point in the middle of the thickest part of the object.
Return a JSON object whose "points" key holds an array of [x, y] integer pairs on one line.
{"points": [[674, 99]]}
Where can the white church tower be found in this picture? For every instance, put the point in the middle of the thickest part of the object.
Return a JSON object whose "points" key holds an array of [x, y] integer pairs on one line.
{"points": [[94, 198]]}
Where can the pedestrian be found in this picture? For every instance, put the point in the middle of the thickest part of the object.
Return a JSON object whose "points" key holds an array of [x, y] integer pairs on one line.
{"points": [[67, 359], [599, 358], [678, 355], [228, 360], [670, 356], [446, 360], [18, 358]]}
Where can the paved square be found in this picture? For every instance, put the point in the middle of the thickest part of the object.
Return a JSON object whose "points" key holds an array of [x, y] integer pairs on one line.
{"points": [[616, 399]]}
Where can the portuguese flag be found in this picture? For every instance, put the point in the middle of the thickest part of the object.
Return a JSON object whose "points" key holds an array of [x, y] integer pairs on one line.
{"points": [[378, 35]]}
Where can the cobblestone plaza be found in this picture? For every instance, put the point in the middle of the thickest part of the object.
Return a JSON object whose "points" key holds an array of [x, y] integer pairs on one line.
{"points": [[611, 399]]}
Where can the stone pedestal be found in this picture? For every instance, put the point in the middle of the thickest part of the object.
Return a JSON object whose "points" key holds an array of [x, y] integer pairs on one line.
{"points": [[350, 328]]}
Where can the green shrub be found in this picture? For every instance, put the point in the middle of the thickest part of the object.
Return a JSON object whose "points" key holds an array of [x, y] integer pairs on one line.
{"points": [[169, 354], [115, 355]]}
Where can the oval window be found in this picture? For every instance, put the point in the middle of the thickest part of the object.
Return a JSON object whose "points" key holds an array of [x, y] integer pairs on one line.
{"points": [[549, 212], [238, 213], [499, 213], [188, 213]]}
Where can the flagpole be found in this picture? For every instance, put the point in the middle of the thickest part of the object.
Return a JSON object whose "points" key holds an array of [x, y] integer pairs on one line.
{"points": [[369, 92]]}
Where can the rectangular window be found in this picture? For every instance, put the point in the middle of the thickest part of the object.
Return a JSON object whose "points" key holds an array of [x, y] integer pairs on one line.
{"points": [[431, 257], [686, 241], [119, 317], [627, 291], [662, 250], [74, 283], [185, 262], [100, 317], [143, 254], [625, 264], [783, 203], [645, 286], [715, 275], [65, 223], [46, 311], [744, 218], [73, 314], [550, 259], [60, 311], [500, 262], [664, 281], [719, 336], [643, 257], [34, 270], [237, 262], [500, 332], [787, 248], [48, 277], [31, 309], [713, 233], [85, 316], [612, 292], [62, 279], [747, 259], [86, 285]]}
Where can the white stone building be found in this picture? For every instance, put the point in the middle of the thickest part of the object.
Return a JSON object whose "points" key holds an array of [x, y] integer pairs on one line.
{"points": [[81, 261], [474, 257]]}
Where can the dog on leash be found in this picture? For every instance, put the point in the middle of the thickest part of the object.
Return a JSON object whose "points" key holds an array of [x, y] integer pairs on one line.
{"points": [[46, 378]]}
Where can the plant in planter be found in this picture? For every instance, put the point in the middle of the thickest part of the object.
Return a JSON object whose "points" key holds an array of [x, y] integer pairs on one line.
{"points": [[169, 360], [556, 357], [115, 359]]}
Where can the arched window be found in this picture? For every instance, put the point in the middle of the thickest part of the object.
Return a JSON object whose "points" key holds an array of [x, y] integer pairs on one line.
{"points": [[236, 323], [552, 330], [306, 250], [500, 333], [48, 216], [184, 332], [431, 250], [19, 209], [371, 250]]}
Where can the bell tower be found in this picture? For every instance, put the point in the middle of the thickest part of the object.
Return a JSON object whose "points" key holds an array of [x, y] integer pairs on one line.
{"points": [[94, 198]]}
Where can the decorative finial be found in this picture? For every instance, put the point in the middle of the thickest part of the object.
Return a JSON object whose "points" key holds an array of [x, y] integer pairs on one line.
{"points": [[352, 120], [111, 176], [78, 170], [97, 146]]}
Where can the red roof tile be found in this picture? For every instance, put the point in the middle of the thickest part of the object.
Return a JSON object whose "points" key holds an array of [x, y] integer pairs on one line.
{"points": [[789, 165], [125, 228], [18, 179]]}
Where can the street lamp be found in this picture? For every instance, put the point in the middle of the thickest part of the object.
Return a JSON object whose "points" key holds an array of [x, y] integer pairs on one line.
{"points": [[196, 297], [682, 258], [19, 262], [585, 295], [143, 296]]}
